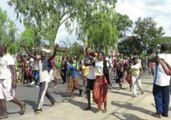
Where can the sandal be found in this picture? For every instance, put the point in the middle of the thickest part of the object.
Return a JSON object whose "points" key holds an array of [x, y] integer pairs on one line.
{"points": [[23, 109], [105, 110]]}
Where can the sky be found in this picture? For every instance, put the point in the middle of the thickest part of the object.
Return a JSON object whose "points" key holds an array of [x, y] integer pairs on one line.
{"points": [[159, 10]]}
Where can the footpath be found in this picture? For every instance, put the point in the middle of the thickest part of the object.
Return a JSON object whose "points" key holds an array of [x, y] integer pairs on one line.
{"points": [[121, 106]]}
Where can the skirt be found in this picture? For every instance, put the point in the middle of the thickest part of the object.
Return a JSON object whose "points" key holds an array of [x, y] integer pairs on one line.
{"points": [[100, 90], [72, 83]]}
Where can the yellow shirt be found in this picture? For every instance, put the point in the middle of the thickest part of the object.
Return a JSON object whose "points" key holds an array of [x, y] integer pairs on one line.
{"points": [[85, 70], [136, 69]]}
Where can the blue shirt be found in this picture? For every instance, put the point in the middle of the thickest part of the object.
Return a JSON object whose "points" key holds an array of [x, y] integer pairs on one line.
{"points": [[73, 71]]}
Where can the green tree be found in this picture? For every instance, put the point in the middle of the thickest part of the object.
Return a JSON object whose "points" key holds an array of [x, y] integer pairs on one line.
{"points": [[130, 46], [146, 35], [148, 32], [8, 32], [28, 36], [101, 29], [76, 50], [48, 15]]}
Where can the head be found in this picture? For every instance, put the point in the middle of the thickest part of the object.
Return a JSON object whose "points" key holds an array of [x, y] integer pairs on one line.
{"points": [[44, 53], [92, 55], [70, 60], [164, 47], [135, 60], [100, 56], [127, 67], [88, 51], [2, 50]]}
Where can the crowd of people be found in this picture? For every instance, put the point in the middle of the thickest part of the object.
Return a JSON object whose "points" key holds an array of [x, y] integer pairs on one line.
{"points": [[96, 70]]}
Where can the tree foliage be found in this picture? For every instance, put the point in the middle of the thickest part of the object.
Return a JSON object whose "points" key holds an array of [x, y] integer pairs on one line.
{"points": [[146, 29], [130, 46], [8, 32], [101, 28], [146, 35], [48, 15]]}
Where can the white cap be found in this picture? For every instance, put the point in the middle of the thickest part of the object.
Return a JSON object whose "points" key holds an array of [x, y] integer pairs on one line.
{"points": [[31, 60], [46, 50]]}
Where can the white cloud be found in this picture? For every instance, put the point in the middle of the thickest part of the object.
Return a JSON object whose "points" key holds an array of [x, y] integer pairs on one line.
{"points": [[159, 10]]}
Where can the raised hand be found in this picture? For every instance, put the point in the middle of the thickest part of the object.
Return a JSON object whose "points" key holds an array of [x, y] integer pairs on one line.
{"points": [[56, 47]]}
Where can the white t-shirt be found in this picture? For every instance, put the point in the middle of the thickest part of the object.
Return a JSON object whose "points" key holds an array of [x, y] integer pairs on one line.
{"points": [[160, 77], [99, 68], [44, 74], [5, 61], [91, 73]]}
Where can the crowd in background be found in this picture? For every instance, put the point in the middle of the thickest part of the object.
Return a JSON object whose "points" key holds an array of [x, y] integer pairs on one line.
{"points": [[94, 72]]}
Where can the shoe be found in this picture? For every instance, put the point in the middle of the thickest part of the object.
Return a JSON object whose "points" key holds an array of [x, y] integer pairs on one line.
{"points": [[53, 103], [32, 83], [157, 115], [98, 110], [164, 115], [88, 108], [23, 109], [38, 111]]}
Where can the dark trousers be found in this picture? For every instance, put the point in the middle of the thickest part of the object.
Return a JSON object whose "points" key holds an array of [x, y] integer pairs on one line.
{"points": [[42, 93], [161, 98], [63, 76]]}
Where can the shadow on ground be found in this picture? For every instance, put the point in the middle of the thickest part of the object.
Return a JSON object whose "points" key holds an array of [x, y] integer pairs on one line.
{"points": [[31, 103], [121, 93], [148, 83], [18, 112], [82, 105], [126, 116], [63, 94], [131, 107]]}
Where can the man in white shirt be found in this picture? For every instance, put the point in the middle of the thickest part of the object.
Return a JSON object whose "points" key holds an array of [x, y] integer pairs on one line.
{"points": [[161, 84], [8, 83], [44, 68], [90, 78]]}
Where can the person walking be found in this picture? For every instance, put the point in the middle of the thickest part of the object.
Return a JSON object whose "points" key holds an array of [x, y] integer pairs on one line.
{"points": [[136, 76], [101, 83], [8, 78], [90, 78], [64, 69], [73, 79], [44, 76], [119, 71]]}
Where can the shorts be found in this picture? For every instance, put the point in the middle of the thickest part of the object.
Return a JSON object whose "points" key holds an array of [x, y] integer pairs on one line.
{"points": [[90, 84], [6, 91]]}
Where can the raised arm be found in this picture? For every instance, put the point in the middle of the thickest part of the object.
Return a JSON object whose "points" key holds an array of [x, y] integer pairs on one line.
{"points": [[166, 67], [91, 62], [29, 54], [54, 51]]}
